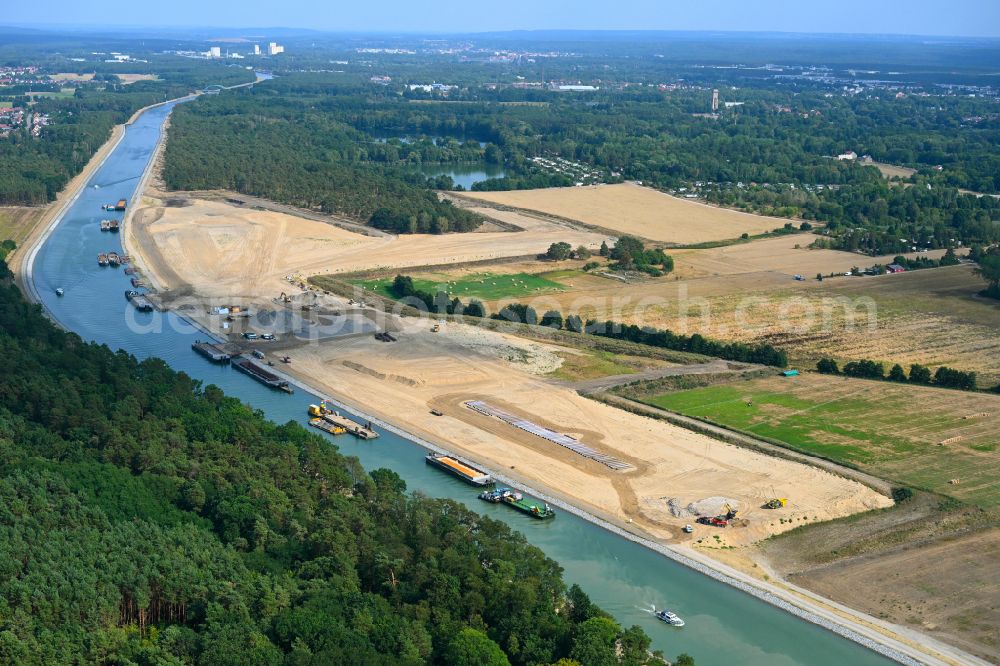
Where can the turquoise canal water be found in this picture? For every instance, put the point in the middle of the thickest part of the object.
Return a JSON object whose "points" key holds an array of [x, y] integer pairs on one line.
{"points": [[724, 625]]}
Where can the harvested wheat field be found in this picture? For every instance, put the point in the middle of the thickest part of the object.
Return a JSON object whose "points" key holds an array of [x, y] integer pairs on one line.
{"points": [[222, 250], [70, 77], [746, 292], [893, 171], [673, 467], [789, 255], [16, 222], [128, 79], [632, 209], [937, 439]]}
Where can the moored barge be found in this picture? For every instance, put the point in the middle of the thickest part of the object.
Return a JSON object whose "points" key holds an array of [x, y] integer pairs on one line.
{"points": [[261, 374], [460, 469], [211, 351], [516, 500]]}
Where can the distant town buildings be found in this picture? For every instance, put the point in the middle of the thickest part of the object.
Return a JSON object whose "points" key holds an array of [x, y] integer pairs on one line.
{"points": [[215, 52], [431, 87], [273, 48], [849, 156], [715, 101], [12, 118], [256, 49]]}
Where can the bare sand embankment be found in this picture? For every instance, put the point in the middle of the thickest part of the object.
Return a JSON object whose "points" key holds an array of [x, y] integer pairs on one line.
{"points": [[221, 249], [673, 468]]}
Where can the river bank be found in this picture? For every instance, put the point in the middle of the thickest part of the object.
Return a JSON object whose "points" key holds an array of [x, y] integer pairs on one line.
{"points": [[569, 507]]}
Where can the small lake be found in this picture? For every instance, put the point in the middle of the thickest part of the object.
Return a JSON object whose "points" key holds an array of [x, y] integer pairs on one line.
{"points": [[463, 174]]}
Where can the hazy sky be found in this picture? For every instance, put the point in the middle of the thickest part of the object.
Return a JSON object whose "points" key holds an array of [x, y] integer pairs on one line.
{"points": [[922, 17]]}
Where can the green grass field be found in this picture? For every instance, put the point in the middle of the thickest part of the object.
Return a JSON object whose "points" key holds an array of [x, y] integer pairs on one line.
{"points": [[912, 435], [6, 104], [484, 286]]}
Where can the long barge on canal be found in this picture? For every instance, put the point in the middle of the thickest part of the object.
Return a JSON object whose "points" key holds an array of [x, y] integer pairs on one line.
{"points": [[321, 411], [460, 469], [516, 500], [139, 301], [212, 352], [262, 374]]}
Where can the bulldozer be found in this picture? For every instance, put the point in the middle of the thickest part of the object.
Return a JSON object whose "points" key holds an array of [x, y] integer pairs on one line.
{"points": [[775, 503]]}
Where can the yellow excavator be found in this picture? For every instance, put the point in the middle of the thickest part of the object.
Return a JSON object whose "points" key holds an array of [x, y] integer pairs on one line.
{"points": [[775, 503]]}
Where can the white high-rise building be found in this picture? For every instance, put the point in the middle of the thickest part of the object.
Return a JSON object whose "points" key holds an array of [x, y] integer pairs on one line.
{"points": [[256, 49], [273, 48], [215, 52]]}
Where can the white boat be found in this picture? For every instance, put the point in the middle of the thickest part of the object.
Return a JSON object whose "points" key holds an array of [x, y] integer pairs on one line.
{"points": [[59, 291], [670, 618]]}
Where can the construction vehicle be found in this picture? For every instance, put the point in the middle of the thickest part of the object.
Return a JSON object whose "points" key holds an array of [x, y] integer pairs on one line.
{"points": [[722, 520], [435, 328], [775, 503], [285, 298], [717, 521]]}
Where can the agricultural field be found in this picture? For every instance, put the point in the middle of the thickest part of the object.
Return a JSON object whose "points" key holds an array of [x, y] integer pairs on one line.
{"points": [[932, 317], [628, 208], [483, 286], [892, 171], [17, 222], [935, 439]]}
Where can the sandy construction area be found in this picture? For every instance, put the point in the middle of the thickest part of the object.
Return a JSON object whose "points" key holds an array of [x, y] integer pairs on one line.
{"points": [[225, 250], [640, 211], [443, 370]]}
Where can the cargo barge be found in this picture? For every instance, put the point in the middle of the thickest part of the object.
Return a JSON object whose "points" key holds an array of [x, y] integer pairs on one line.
{"points": [[321, 411], [326, 426], [102, 259], [462, 470], [514, 499], [114, 259], [263, 375], [212, 352], [138, 301]]}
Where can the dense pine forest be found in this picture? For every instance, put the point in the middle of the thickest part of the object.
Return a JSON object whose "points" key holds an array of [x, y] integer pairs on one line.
{"points": [[292, 149], [147, 519]]}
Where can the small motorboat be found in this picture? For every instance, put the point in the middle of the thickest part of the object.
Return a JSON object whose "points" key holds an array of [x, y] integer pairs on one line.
{"points": [[670, 618], [60, 292]]}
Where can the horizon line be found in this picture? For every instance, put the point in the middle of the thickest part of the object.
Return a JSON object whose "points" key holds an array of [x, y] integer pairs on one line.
{"points": [[160, 28]]}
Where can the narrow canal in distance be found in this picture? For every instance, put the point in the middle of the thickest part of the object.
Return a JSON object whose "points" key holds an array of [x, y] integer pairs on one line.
{"points": [[724, 625]]}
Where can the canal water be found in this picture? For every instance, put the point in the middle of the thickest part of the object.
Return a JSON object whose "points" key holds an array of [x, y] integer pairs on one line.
{"points": [[724, 625]]}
